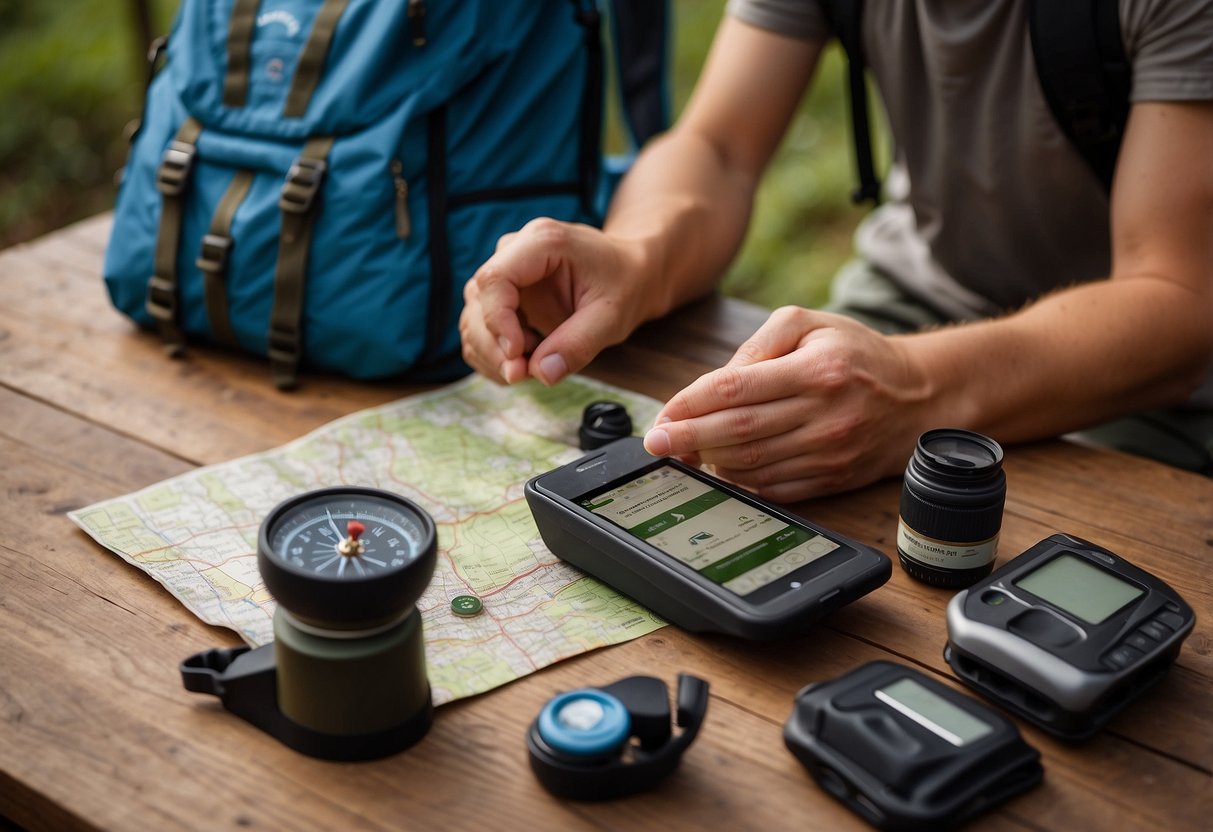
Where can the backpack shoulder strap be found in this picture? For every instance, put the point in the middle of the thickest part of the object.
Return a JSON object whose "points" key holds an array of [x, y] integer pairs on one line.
{"points": [[640, 31], [846, 18], [1085, 75]]}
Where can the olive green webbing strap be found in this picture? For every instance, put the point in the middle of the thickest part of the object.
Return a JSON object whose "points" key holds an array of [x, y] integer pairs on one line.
{"points": [[311, 60], [213, 257], [298, 206], [171, 179], [239, 51]]}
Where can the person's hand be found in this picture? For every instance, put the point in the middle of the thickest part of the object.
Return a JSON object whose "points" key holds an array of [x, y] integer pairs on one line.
{"points": [[813, 403], [552, 297]]}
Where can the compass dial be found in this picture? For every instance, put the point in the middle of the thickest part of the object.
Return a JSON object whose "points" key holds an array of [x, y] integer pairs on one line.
{"points": [[316, 537], [346, 556]]}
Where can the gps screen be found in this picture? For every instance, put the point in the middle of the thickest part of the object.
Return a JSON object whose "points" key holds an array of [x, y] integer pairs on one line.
{"points": [[732, 543], [1071, 584]]}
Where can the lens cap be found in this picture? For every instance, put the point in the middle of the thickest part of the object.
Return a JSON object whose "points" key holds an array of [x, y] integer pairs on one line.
{"points": [[603, 422], [954, 448]]}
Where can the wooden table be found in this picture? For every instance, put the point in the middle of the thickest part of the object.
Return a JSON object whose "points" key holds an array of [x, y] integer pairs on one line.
{"points": [[96, 730]]}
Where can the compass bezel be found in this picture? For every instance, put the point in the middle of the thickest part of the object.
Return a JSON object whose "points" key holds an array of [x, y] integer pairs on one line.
{"points": [[348, 601]]}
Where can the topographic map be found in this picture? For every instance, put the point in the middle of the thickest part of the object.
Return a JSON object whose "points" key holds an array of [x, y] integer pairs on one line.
{"points": [[463, 453]]}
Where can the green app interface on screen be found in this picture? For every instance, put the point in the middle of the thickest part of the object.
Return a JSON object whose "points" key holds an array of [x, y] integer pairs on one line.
{"points": [[734, 544]]}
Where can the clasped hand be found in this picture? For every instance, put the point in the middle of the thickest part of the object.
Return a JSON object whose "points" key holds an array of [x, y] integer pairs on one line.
{"points": [[552, 297]]}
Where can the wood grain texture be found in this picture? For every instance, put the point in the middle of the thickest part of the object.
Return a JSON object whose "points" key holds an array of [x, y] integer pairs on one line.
{"points": [[96, 731]]}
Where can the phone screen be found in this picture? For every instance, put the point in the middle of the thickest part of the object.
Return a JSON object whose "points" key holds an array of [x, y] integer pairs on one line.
{"points": [[730, 542]]}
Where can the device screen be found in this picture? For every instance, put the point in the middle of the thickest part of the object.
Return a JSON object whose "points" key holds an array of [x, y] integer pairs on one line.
{"points": [[933, 712], [1075, 586], [730, 542]]}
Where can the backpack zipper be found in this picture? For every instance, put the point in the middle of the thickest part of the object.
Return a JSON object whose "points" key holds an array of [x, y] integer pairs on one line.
{"points": [[417, 21], [404, 223]]}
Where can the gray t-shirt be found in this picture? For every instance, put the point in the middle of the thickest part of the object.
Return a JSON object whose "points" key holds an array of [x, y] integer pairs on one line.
{"points": [[989, 204]]}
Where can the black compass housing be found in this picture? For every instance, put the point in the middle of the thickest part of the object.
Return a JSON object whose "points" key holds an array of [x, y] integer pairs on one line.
{"points": [[352, 600]]}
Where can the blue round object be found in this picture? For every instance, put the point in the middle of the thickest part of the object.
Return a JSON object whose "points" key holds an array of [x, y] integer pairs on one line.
{"points": [[584, 723]]}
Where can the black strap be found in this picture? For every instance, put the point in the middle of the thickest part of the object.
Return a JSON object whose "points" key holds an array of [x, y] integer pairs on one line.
{"points": [[241, 23], [214, 254], [1085, 75], [846, 18], [441, 273], [172, 178], [587, 14], [640, 30], [298, 204], [311, 60]]}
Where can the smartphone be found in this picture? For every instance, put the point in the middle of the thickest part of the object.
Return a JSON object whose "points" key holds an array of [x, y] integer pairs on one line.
{"points": [[697, 551]]}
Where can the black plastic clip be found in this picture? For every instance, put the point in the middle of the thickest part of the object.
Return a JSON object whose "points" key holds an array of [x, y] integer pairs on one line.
{"points": [[302, 184], [175, 168], [282, 345], [212, 256], [161, 299]]}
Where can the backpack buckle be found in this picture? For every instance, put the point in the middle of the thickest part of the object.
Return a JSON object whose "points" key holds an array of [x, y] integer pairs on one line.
{"points": [[161, 299], [212, 257], [175, 168], [302, 183], [282, 345]]}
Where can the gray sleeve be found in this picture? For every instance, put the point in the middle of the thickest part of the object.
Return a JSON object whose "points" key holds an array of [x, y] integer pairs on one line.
{"points": [[802, 19], [1170, 45]]}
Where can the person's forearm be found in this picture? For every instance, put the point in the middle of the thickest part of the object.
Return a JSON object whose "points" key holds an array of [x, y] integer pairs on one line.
{"points": [[1075, 358], [687, 212], [1140, 339], [687, 201]]}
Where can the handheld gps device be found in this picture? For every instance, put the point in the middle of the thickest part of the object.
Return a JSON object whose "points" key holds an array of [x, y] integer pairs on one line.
{"points": [[906, 752], [1066, 635], [697, 551]]}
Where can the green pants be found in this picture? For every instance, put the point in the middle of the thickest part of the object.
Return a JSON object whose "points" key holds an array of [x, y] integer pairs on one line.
{"points": [[1181, 437]]}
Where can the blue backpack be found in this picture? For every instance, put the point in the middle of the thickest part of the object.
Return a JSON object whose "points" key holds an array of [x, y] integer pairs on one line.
{"points": [[315, 180]]}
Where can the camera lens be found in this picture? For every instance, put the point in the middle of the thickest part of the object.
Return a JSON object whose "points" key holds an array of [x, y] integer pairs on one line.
{"points": [[951, 508]]}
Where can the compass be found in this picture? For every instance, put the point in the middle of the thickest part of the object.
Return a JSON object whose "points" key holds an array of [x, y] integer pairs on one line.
{"points": [[347, 558], [345, 678]]}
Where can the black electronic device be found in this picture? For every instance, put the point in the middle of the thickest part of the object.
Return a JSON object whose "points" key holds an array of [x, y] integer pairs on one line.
{"points": [[906, 752], [609, 742], [697, 551], [1066, 635]]}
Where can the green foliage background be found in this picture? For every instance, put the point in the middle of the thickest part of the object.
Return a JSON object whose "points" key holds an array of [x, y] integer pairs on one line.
{"points": [[71, 80]]}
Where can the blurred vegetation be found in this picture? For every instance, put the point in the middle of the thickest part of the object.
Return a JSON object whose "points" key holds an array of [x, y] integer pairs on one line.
{"points": [[72, 76]]}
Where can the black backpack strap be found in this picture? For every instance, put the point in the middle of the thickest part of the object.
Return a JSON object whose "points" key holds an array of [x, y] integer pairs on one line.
{"points": [[640, 31], [1085, 75], [846, 18], [298, 203], [242, 22], [311, 59], [172, 179], [214, 254], [586, 13]]}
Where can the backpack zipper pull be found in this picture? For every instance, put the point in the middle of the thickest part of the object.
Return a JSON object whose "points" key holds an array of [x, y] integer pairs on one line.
{"points": [[417, 21], [404, 224]]}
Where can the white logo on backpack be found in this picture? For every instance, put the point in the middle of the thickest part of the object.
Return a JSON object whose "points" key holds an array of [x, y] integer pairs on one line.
{"points": [[282, 17]]}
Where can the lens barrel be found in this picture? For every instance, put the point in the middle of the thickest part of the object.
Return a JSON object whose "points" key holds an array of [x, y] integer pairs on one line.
{"points": [[951, 508]]}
